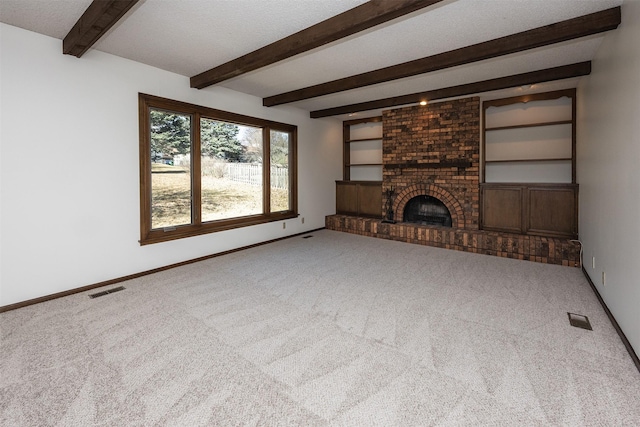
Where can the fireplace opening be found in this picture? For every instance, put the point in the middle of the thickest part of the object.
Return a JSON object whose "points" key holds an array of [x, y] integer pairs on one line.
{"points": [[427, 210]]}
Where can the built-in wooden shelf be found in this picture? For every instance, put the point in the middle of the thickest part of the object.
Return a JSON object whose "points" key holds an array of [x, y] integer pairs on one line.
{"points": [[531, 125], [363, 139], [548, 209], [553, 159], [350, 143]]}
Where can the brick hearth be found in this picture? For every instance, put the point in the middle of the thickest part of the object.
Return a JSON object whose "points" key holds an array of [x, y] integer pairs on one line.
{"points": [[531, 248]]}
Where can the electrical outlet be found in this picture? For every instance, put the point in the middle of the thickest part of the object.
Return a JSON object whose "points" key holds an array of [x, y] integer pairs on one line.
{"points": [[284, 225], [604, 283], [303, 220], [593, 262]]}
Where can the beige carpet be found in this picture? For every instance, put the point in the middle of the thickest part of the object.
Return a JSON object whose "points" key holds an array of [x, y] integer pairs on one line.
{"points": [[337, 330]]}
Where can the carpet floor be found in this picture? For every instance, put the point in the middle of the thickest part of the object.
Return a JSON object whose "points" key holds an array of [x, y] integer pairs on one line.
{"points": [[332, 330]]}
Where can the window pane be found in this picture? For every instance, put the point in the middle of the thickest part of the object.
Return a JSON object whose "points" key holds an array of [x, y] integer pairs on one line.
{"points": [[280, 193], [231, 170], [170, 169]]}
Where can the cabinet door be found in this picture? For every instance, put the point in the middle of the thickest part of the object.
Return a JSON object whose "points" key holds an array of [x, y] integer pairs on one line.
{"points": [[552, 211], [370, 199], [502, 209], [346, 198], [540, 210]]}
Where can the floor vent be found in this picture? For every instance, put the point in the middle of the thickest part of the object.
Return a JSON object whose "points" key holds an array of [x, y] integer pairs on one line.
{"points": [[579, 321], [307, 237], [110, 291]]}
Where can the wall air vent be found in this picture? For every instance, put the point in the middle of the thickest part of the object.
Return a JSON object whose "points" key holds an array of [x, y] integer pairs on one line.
{"points": [[307, 237], [109, 291]]}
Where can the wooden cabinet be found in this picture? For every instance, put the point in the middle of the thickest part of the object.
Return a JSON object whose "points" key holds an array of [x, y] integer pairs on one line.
{"points": [[536, 209], [359, 198], [529, 165]]}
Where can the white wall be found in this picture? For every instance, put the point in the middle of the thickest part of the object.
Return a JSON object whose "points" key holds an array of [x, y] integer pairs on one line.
{"points": [[69, 167], [608, 158]]}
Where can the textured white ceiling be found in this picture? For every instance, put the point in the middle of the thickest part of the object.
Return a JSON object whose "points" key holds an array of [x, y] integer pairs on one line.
{"points": [[191, 36]]}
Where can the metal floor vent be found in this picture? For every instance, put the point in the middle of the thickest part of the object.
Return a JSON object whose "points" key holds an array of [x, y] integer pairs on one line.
{"points": [[579, 321], [109, 291], [307, 237]]}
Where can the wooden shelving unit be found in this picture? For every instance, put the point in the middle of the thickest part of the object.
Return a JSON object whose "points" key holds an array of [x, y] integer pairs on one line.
{"points": [[558, 138], [352, 158], [529, 165], [360, 191]]}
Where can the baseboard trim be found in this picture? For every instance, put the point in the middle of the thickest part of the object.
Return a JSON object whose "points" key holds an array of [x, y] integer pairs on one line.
{"points": [[623, 337], [141, 274]]}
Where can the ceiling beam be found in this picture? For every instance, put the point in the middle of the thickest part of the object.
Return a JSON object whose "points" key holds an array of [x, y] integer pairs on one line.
{"points": [[546, 75], [99, 17], [367, 15], [555, 33]]}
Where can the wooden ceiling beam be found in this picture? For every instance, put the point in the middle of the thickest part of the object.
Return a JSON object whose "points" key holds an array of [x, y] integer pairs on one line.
{"points": [[534, 77], [99, 17], [543, 36], [367, 15]]}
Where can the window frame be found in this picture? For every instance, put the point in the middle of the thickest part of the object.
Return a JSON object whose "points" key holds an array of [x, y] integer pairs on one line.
{"points": [[148, 235]]}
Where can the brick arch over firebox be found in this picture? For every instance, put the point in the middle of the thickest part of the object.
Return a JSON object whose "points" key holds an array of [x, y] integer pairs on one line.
{"points": [[455, 209]]}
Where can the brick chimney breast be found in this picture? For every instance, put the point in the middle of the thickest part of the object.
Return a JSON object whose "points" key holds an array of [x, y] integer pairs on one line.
{"points": [[434, 150]]}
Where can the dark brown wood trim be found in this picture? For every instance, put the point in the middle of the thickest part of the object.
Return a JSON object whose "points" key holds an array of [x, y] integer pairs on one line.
{"points": [[529, 184], [533, 77], [614, 322], [145, 163], [213, 113], [570, 29], [573, 140], [141, 274], [375, 119], [530, 125], [184, 231], [569, 93], [352, 21], [99, 17], [266, 165], [293, 177], [346, 152], [196, 171], [483, 150]]}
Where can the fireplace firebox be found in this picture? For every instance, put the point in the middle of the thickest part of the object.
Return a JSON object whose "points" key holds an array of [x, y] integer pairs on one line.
{"points": [[427, 210]]}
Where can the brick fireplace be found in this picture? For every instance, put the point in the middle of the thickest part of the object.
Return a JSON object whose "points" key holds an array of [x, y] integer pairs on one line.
{"points": [[434, 151]]}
